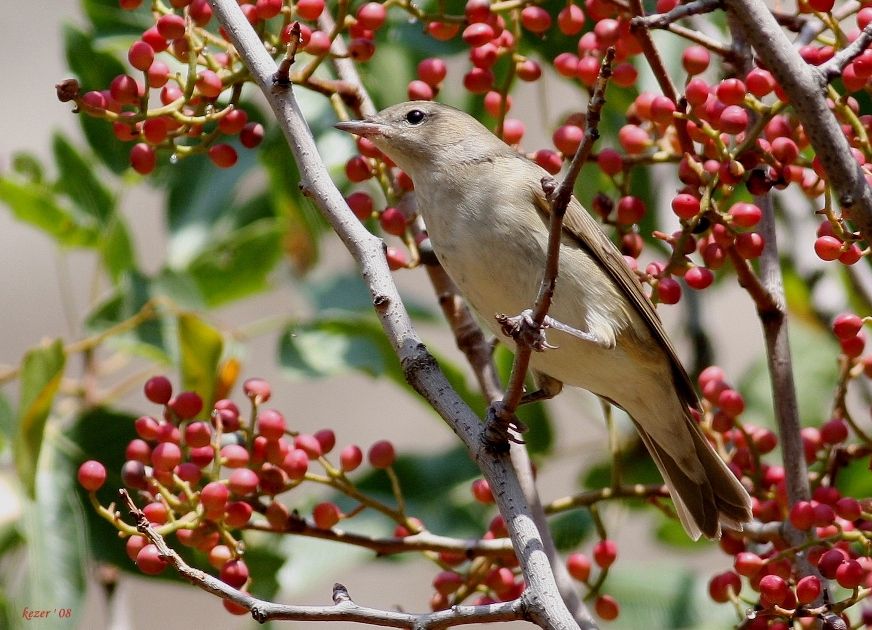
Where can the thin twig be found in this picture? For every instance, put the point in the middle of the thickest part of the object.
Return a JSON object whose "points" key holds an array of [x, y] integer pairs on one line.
{"points": [[343, 609], [559, 202], [662, 20], [833, 68]]}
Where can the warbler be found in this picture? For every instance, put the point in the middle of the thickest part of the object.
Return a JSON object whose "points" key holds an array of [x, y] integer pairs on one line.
{"points": [[487, 217]]}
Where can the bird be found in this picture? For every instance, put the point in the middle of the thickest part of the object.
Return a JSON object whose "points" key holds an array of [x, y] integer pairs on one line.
{"points": [[487, 217]]}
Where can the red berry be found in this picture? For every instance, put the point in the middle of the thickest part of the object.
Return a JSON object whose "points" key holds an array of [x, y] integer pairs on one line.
{"points": [[235, 573], [350, 458], [535, 19], [223, 155], [578, 566], [566, 64], [357, 169], [237, 514], [668, 290], [396, 258], [808, 589], [528, 70], [834, 431], [149, 560], [698, 278], [847, 325], [171, 26], [749, 245], [309, 444], [607, 607], [570, 20], [325, 515], [371, 15], [760, 82], [360, 204], [587, 70], [198, 434], [432, 71], [186, 405], [309, 9], [695, 59], [393, 221], [830, 562], [731, 92], [568, 138], [623, 75], [802, 515], [733, 120], [242, 481], [828, 247], [143, 158], [233, 122], [200, 12], [605, 552], [442, 31], [271, 424], [447, 582], [773, 590], [478, 34], [850, 574], [140, 55], [482, 492], [91, 475], [748, 564], [381, 454], [158, 390], [630, 210], [685, 206], [633, 139], [214, 497], [326, 439]]}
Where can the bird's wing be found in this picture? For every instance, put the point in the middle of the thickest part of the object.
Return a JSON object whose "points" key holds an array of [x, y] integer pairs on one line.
{"points": [[581, 227]]}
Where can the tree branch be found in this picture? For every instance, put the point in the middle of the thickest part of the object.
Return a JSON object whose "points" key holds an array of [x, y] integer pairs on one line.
{"points": [[541, 598], [662, 20], [805, 86], [833, 68]]}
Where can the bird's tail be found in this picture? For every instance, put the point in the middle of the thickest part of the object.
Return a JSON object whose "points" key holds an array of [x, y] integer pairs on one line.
{"points": [[707, 496]]}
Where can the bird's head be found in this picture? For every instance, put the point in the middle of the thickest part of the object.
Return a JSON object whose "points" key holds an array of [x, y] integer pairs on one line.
{"points": [[423, 136]]}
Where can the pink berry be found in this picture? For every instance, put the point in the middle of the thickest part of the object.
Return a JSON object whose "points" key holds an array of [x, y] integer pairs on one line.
{"points": [[309, 9], [567, 139], [149, 560], [731, 91], [158, 390], [570, 20], [91, 475], [271, 424], [381, 454], [773, 589], [482, 492], [748, 564], [235, 573], [371, 15], [695, 59], [850, 574], [198, 434], [186, 405], [140, 55], [808, 589], [166, 456], [432, 71], [668, 290], [733, 119], [350, 458], [535, 19], [214, 497], [699, 278], [633, 139]]}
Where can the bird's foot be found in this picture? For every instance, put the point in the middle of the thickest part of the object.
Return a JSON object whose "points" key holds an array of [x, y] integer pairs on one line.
{"points": [[501, 427], [524, 330]]}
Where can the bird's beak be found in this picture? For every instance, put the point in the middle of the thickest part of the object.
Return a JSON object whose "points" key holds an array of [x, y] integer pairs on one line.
{"points": [[365, 128]]}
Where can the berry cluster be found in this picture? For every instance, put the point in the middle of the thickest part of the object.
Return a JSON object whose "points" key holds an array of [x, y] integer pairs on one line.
{"points": [[206, 477]]}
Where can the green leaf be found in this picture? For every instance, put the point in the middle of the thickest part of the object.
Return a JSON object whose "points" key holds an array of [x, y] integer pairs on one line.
{"points": [[670, 532], [200, 207], [95, 70], [200, 347], [239, 264], [28, 166], [814, 353], [304, 225], [149, 339], [116, 248], [348, 292], [7, 422], [41, 372], [34, 204], [570, 528], [108, 18], [52, 526], [77, 181]]}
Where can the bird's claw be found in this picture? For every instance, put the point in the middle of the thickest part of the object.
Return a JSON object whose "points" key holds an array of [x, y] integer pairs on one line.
{"points": [[523, 329], [501, 427]]}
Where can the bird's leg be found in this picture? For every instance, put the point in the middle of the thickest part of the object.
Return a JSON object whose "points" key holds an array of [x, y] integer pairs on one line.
{"points": [[523, 329]]}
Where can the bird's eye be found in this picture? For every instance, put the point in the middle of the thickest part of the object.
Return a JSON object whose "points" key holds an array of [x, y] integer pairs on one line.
{"points": [[416, 116]]}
